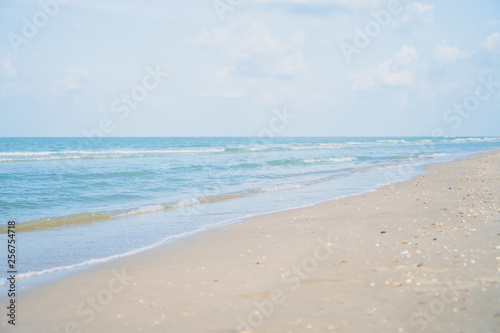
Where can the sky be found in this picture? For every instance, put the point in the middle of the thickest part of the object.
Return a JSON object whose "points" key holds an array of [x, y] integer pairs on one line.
{"points": [[231, 67]]}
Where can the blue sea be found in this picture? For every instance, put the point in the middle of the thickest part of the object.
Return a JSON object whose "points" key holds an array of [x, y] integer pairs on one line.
{"points": [[79, 201]]}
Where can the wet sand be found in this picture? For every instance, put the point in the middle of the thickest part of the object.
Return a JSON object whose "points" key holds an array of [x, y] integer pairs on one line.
{"points": [[418, 256]]}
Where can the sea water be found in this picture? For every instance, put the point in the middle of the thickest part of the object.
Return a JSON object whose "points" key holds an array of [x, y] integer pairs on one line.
{"points": [[77, 202]]}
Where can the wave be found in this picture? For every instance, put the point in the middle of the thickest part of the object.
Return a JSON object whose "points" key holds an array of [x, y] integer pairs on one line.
{"points": [[434, 155], [392, 141], [79, 154], [142, 210], [332, 160], [248, 148], [280, 188], [87, 218], [25, 156], [187, 203], [315, 147], [31, 274], [338, 145], [309, 161], [471, 140], [88, 152], [93, 217]]}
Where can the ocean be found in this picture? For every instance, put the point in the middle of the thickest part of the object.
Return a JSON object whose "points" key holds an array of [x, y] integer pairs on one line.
{"points": [[79, 201]]}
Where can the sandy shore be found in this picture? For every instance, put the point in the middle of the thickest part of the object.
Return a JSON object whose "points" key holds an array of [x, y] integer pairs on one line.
{"points": [[419, 256]]}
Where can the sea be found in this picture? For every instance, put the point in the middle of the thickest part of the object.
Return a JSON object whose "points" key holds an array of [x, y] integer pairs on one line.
{"points": [[77, 202]]}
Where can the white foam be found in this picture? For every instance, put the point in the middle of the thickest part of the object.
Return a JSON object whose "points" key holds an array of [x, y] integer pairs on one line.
{"points": [[334, 160], [82, 154], [187, 203], [31, 274], [142, 210], [434, 155], [392, 141], [465, 140], [283, 187]]}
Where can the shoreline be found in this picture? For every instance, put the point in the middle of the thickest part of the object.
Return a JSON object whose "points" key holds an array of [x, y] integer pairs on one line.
{"points": [[251, 260], [34, 279]]}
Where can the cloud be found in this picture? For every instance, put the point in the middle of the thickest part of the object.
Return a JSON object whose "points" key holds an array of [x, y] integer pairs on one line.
{"points": [[414, 16], [280, 96], [250, 44], [291, 64], [8, 67], [228, 84], [143, 10], [11, 89], [394, 72], [252, 54], [445, 54], [339, 3], [77, 79], [215, 37], [246, 40], [492, 43]]}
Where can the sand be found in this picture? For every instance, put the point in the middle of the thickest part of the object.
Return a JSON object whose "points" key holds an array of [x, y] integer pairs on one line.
{"points": [[418, 256]]}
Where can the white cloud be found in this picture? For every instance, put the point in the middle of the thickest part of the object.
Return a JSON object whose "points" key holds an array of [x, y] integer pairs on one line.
{"points": [[227, 84], [8, 67], [281, 96], [121, 8], [77, 79], [394, 72], [248, 40], [492, 43], [340, 3], [250, 52], [445, 54], [321, 98], [415, 14], [11, 89], [291, 64], [216, 37]]}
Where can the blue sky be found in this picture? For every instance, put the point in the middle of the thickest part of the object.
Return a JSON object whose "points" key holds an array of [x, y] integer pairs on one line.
{"points": [[419, 75]]}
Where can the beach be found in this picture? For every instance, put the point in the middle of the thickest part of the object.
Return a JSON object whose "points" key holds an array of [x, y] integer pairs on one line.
{"points": [[261, 166], [416, 256]]}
